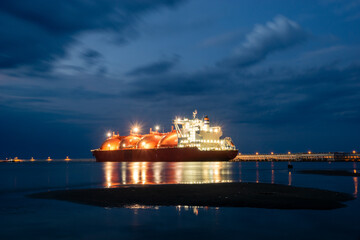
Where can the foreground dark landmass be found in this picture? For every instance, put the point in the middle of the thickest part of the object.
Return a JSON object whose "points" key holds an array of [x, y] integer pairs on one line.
{"points": [[257, 195], [331, 172]]}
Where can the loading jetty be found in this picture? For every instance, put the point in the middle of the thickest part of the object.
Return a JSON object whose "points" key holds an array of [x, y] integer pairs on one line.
{"points": [[309, 156]]}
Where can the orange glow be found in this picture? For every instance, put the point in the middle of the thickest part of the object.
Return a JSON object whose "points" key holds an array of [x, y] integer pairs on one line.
{"points": [[309, 152], [290, 178], [289, 152], [354, 152], [169, 140], [111, 143], [163, 173], [129, 141], [111, 174], [49, 159], [32, 159], [67, 158], [149, 141], [272, 153], [355, 186], [257, 153]]}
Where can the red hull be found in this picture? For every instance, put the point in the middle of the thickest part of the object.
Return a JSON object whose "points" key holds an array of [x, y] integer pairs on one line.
{"points": [[163, 155]]}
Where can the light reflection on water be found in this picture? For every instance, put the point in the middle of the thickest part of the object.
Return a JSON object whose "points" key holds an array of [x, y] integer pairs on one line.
{"points": [[165, 173]]}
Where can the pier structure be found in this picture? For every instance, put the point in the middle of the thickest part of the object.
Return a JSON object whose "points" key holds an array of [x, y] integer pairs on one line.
{"points": [[309, 156]]}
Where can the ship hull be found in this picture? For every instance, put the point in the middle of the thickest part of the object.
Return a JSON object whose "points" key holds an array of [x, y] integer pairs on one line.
{"points": [[163, 155]]}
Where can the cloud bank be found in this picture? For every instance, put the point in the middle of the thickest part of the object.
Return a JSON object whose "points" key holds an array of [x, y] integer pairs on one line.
{"points": [[276, 35], [35, 33]]}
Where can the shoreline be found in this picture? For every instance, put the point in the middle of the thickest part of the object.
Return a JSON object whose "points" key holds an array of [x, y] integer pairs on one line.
{"points": [[254, 195], [330, 172]]}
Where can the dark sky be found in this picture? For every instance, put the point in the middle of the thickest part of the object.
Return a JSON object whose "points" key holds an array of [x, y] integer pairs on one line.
{"points": [[281, 75]]}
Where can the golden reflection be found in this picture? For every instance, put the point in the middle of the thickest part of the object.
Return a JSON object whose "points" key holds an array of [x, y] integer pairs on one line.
{"points": [[135, 172], [111, 174], [355, 186], [240, 172], [217, 168], [290, 178], [165, 173], [272, 173], [355, 179], [257, 172], [195, 209]]}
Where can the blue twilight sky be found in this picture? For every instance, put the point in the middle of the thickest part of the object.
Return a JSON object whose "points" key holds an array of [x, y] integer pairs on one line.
{"points": [[277, 75]]}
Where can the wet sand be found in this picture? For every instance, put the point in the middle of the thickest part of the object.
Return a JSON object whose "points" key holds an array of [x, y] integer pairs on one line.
{"points": [[331, 172], [255, 195]]}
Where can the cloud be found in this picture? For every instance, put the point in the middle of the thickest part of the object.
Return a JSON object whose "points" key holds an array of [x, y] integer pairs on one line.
{"points": [[327, 94], [155, 68], [182, 84], [34, 34], [91, 56], [276, 35]]}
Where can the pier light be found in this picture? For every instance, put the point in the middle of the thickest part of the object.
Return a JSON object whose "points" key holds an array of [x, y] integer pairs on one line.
{"points": [[354, 152], [108, 134], [309, 152], [289, 152], [257, 153], [216, 130], [157, 128], [135, 129], [272, 153]]}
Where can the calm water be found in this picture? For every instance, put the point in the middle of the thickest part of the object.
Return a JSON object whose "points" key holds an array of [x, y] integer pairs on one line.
{"points": [[24, 218]]}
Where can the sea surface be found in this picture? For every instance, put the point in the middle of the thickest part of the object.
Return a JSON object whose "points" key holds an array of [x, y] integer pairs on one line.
{"points": [[26, 218]]}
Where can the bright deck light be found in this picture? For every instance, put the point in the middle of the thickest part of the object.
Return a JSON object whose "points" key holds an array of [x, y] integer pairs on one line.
{"points": [[157, 128], [136, 129], [108, 134]]}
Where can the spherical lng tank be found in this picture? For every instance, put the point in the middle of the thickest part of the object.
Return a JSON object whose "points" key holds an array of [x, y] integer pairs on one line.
{"points": [[129, 141], [169, 140], [149, 141], [111, 143]]}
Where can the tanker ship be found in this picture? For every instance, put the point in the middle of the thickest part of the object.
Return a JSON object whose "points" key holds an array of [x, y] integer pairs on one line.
{"points": [[191, 140]]}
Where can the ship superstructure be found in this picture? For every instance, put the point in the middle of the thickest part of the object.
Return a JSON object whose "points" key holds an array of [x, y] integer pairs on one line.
{"points": [[198, 133]]}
